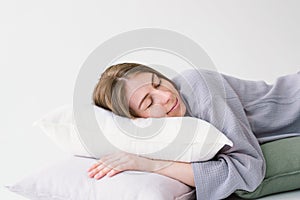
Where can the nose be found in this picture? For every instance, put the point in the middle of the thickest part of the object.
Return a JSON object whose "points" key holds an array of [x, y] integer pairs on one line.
{"points": [[161, 97]]}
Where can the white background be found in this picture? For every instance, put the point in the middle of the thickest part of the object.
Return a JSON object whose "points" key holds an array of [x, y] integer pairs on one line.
{"points": [[44, 43]]}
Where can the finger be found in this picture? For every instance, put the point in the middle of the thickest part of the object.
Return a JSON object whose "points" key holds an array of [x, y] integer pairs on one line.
{"points": [[102, 173], [115, 161], [100, 167], [99, 175], [118, 166], [114, 169], [112, 162], [92, 173], [93, 166], [113, 172]]}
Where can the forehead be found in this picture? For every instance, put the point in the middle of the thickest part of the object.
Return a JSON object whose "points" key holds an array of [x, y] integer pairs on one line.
{"points": [[143, 77], [138, 82], [138, 85]]}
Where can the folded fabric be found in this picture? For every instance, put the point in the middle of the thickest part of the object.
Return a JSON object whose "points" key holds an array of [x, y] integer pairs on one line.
{"points": [[183, 139], [68, 180], [283, 168]]}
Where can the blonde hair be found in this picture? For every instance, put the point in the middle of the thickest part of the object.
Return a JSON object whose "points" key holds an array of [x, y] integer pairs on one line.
{"points": [[110, 92]]}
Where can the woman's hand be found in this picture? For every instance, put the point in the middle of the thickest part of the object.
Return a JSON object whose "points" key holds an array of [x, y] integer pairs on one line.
{"points": [[113, 164]]}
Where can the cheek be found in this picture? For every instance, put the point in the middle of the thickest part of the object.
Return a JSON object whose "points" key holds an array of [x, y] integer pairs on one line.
{"points": [[157, 111]]}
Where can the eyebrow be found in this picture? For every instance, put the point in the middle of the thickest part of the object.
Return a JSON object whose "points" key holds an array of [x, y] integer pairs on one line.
{"points": [[152, 82]]}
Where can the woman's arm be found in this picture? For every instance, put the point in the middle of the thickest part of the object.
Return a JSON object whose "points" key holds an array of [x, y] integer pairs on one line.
{"points": [[240, 167], [180, 171], [113, 164]]}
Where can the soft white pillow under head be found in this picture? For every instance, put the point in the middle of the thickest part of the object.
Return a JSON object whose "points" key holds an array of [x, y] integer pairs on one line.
{"points": [[183, 139]]}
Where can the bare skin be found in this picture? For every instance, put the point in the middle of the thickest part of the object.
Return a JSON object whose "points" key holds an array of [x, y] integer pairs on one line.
{"points": [[149, 96]]}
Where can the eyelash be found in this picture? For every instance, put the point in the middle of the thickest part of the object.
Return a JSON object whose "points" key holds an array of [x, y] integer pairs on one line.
{"points": [[158, 84], [155, 87]]}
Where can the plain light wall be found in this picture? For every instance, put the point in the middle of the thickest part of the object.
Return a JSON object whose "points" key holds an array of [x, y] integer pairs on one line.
{"points": [[44, 44]]}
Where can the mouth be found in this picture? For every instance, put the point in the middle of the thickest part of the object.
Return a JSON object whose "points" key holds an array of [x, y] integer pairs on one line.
{"points": [[174, 106]]}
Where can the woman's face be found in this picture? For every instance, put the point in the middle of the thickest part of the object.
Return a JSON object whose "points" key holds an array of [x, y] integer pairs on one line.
{"points": [[151, 96]]}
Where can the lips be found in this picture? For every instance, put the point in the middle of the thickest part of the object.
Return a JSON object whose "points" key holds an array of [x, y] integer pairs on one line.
{"points": [[174, 106]]}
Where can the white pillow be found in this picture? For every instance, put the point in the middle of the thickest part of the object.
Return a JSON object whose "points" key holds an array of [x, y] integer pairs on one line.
{"points": [[183, 139], [68, 180]]}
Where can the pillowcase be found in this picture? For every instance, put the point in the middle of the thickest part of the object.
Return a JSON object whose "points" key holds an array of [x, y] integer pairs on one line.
{"points": [[283, 168], [68, 180], [183, 139]]}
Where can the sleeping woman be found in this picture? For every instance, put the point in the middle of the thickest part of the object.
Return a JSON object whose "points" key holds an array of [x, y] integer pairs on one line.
{"points": [[248, 112]]}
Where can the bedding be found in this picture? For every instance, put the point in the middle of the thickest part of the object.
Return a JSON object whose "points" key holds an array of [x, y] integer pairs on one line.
{"points": [[68, 180], [283, 168], [183, 139]]}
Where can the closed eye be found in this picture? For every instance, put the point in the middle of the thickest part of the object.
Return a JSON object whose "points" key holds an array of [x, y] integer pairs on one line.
{"points": [[159, 81], [150, 105], [157, 85]]}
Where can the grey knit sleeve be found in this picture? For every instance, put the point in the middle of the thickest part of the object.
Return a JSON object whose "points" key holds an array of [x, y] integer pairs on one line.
{"points": [[239, 167]]}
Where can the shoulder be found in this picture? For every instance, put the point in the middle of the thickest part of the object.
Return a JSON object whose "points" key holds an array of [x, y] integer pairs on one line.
{"points": [[191, 74], [194, 90], [188, 80], [200, 79]]}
